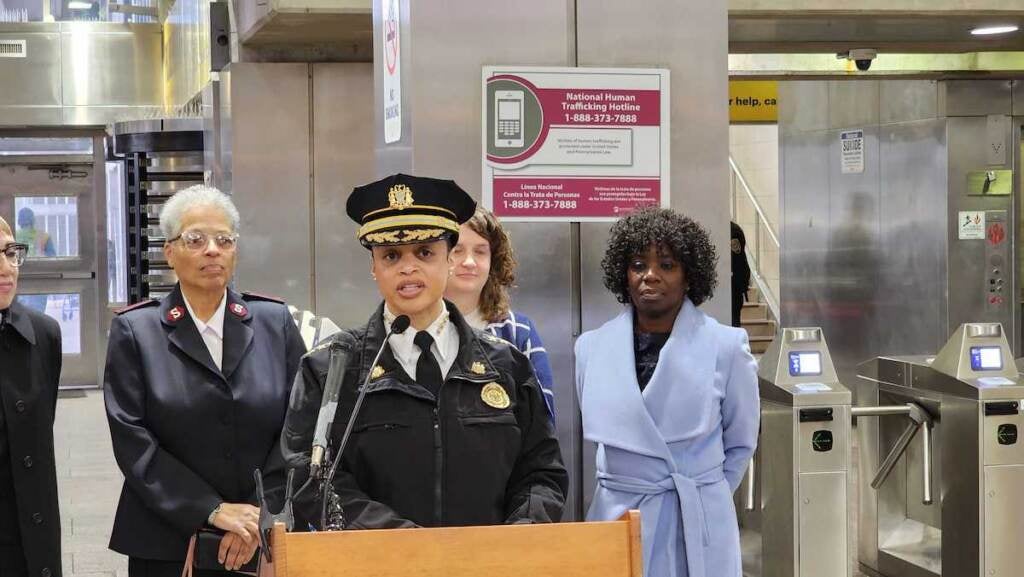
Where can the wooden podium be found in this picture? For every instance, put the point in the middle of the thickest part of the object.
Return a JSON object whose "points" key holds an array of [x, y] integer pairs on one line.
{"points": [[608, 549]]}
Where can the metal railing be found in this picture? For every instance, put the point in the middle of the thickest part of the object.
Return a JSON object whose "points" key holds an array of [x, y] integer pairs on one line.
{"points": [[764, 236]]}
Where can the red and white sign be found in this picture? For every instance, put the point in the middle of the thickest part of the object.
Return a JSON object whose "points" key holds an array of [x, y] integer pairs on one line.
{"points": [[392, 60], [574, 144]]}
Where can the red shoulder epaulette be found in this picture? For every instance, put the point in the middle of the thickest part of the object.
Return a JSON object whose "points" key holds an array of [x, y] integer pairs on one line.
{"points": [[248, 295], [137, 305]]}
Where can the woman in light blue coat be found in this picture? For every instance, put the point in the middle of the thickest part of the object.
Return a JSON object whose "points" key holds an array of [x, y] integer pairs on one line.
{"points": [[670, 397]]}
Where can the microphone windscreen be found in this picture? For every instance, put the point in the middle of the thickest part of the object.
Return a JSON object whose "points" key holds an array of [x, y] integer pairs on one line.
{"points": [[400, 324]]}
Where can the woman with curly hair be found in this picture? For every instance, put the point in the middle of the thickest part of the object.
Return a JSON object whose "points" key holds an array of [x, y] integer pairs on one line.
{"points": [[483, 270], [670, 397]]}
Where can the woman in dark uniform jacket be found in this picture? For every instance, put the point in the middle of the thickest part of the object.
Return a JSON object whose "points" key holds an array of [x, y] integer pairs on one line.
{"points": [[196, 389], [30, 363], [454, 429]]}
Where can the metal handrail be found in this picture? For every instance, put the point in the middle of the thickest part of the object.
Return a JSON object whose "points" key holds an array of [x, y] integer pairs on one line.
{"points": [[753, 201], [754, 255]]}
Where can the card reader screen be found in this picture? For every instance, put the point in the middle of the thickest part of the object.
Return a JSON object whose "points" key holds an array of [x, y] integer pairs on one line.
{"points": [[986, 359], [805, 363]]}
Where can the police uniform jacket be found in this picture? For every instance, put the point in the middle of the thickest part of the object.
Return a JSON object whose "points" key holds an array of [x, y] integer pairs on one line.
{"points": [[30, 363], [419, 460], [187, 435]]}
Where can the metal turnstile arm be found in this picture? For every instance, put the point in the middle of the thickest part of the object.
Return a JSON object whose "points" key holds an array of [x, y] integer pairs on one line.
{"points": [[921, 421]]}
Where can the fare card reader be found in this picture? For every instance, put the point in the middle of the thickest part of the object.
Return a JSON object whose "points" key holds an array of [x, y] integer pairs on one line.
{"points": [[971, 392], [804, 458]]}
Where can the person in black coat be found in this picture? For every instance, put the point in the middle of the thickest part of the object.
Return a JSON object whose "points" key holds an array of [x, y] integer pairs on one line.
{"points": [[740, 271], [454, 430], [30, 364], [196, 388]]}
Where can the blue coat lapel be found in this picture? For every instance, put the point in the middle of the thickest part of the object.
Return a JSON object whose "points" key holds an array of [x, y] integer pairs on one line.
{"points": [[614, 412]]}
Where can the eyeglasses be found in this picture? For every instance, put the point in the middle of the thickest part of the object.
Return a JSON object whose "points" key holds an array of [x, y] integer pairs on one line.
{"points": [[15, 253], [199, 240]]}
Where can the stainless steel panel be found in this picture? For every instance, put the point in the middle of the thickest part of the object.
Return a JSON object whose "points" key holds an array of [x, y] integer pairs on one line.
{"points": [[906, 100], [1004, 520], [805, 228], [1017, 97], [968, 291], [852, 262], [913, 192], [974, 98], [37, 74], [343, 158], [838, 459], [779, 503], [853, 104], [597, 306], [19, 116], [961, 490], [186, 50], [271, 179], [111, 66], [443, 105], [823, 524], [995, 453], [803, 106], [104, 115]]}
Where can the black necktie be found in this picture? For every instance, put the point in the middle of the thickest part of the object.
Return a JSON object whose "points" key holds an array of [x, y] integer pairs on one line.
{"points": [[428, 372]]}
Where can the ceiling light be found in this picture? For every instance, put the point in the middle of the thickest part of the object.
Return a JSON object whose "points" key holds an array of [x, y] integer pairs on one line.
{"points": [[79, 5], [990, 30]]}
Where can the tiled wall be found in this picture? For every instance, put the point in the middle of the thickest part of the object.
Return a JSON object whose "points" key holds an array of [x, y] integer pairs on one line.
{"points": [[755, 149]]}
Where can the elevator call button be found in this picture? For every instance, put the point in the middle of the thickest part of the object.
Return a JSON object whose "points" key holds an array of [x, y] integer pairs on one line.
{"points": [[821, 441]]}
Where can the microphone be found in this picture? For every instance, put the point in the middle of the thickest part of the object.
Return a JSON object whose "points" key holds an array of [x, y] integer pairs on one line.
{"points": [[328, 407], [398, 326]]}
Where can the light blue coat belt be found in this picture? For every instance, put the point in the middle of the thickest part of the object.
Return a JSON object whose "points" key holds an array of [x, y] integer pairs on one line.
{"points": [[691, 510]]}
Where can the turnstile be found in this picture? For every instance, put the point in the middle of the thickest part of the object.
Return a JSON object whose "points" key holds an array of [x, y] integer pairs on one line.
{"points": [[956, 509], [803, 459]]}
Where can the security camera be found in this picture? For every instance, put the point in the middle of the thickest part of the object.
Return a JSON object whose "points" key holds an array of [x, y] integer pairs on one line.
{"points": [[861, 56]]}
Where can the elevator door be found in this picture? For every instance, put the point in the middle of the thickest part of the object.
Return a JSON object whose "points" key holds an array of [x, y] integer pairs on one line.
{"points": [[49, 200]]}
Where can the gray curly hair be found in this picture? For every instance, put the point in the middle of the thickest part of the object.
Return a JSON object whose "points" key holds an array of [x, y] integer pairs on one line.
{"points": [[193, 196]]}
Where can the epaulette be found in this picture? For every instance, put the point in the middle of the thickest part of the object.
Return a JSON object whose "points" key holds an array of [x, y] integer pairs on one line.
{"points": [[251, 296], [138, 305]]}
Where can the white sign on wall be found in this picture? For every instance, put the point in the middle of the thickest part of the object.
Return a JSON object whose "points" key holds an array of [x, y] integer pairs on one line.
{"points": [[574, 144], [852, 151], [971, 225], [392, 63]]}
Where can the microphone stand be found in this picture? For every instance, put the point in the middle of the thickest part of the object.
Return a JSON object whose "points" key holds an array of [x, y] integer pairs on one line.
{"points": [[332, 516]]}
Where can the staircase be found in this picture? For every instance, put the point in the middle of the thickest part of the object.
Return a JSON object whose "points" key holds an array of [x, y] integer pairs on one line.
{"points": [[760, 314], [756, 319]]}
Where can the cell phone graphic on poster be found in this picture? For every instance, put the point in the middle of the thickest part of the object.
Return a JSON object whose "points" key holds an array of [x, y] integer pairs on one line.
{"points": [[508, 124]]}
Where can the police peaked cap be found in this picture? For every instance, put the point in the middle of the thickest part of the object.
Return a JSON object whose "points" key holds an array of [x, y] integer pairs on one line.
{"points": [[403, 209]]}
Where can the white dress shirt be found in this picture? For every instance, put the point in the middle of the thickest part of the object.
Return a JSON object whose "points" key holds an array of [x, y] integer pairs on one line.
{"points": [[445, 347], [212, 330]]}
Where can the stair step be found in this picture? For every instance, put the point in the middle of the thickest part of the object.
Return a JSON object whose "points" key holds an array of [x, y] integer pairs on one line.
{"points": [[759, 328], [754, 312], [758, 345]]}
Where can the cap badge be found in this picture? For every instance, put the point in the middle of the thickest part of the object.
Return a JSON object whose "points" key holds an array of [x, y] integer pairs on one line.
{"points": [[400, 197], [477, 368], [495, 396], [377, 372], [239, 310], [174, 315]]}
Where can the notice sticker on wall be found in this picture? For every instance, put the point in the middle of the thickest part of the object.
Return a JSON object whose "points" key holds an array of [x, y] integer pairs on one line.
{"points": [[851, 147], [971, 225]]}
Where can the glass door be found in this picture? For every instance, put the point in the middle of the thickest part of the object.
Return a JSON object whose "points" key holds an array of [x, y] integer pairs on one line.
{"points": [[47, 194]]}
